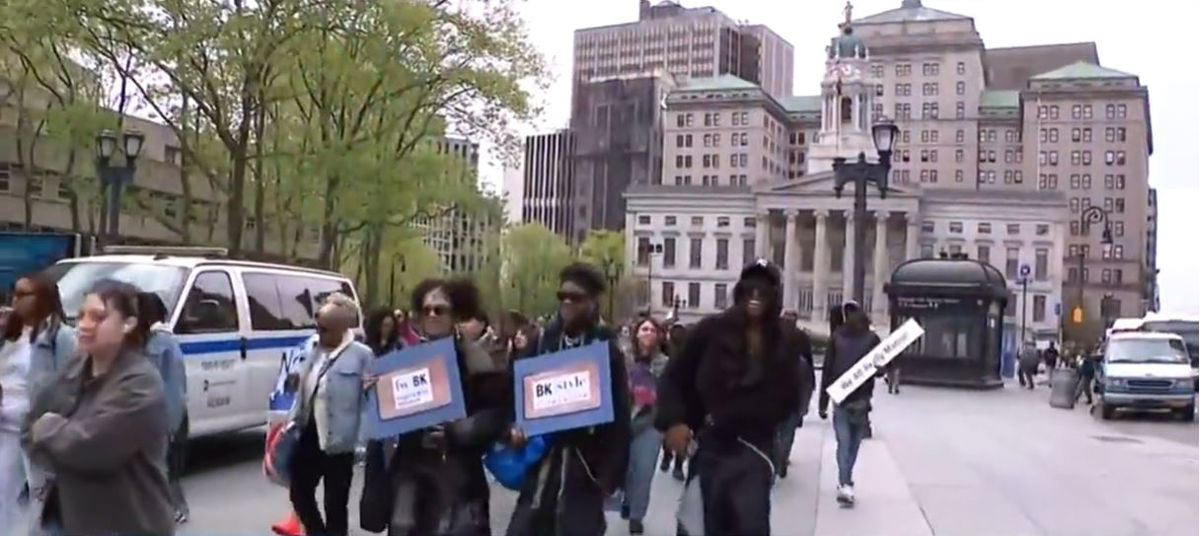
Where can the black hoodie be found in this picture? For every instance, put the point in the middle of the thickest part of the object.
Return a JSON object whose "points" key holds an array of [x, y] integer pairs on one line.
{"points": [[714, 384]]}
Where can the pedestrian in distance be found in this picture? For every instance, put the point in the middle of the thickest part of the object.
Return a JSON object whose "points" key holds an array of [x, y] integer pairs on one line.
{"points": [[646, 364], [1027, 365], [735, 382], [847, 346], [101, 427], [676, 338], [162, 349], [382, 332], [34, 345], [787, 430], [1087, 374], [407, 336], [327, 411], [563, 494]]}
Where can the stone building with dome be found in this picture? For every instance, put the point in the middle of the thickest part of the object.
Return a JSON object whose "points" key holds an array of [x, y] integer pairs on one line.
{"points": [[749, 175]]}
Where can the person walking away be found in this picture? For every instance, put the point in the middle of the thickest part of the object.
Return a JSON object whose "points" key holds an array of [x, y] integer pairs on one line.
{"points": [[382, 332], [1054, 356], [736, 381], [1027, 365], [34, 346], [1087, 373], [327, 411], [892, 371], [100, 426], [1051, 360], [646, 365], [676, 339], [847, 346], [564, 493], [162, 349], [436, 484], [787, 430]]}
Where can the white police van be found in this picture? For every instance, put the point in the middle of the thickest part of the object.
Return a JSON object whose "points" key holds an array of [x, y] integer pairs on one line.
{"points": [[235, 320]]}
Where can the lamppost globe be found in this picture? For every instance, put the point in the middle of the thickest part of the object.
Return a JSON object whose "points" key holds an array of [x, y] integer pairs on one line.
{"points": [[106, 144], [133, 143], [884, 133]]}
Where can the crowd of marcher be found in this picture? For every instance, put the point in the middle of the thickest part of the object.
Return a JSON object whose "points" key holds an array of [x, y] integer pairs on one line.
{"points": [[93, 416]]}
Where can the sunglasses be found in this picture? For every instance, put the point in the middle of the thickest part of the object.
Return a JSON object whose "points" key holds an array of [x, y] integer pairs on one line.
{"points": [[574, 297], [435, 310]]}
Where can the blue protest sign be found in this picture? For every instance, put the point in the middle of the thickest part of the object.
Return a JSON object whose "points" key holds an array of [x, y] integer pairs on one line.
{"points": [[564, 390], [417, 387]]}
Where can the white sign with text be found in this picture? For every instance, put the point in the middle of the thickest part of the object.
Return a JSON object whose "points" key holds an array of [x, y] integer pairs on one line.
{"points": [[879, 356], [562, 390], [412, 388]]}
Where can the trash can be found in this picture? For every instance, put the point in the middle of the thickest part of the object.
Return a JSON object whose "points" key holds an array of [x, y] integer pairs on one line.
{"points": [[1062, 387]]}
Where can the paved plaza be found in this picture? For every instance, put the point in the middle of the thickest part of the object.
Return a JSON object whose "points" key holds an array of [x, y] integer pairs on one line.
{"points": [[944, 462]]}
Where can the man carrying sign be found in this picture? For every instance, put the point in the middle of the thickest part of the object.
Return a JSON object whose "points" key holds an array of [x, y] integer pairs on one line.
{"points": [[563, 494], [847, 345]]}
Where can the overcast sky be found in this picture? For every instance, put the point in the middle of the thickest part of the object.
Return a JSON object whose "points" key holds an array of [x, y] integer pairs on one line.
{"points": [[1149, 38]]}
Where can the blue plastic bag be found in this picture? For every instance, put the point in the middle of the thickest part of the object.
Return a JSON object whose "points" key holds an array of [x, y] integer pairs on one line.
{"points": [[509, 464]]}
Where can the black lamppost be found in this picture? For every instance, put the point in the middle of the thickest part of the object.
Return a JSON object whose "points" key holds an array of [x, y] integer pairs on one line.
{"points": [[650, 250], [114, 178], [862, 173], [1090, 215], [403, 268], [611, 274]]}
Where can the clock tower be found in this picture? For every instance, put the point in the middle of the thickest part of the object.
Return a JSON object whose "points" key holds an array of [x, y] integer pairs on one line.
{"points": [[846, 97]]}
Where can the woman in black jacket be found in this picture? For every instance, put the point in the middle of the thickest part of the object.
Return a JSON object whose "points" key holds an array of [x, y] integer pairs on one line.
{"points": [[435, 483], [735, 382]]}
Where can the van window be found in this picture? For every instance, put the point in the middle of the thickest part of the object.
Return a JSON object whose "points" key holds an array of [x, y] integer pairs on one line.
{"points": [[282, 302], [76, 278], [209, 307], [1146, 351]]}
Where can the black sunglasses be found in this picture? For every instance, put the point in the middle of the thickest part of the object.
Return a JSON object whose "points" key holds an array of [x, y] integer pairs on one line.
{"points": [[435, 310]]}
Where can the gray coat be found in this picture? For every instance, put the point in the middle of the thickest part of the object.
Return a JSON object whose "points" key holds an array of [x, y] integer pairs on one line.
{"points": [[344, 394], [106, 443]]}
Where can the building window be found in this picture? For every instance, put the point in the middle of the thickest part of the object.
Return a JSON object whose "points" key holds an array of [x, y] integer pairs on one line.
{"points": [[958, 175], [1011, 260], [720, 296], [962, 68], [1014, 228], [643, 251], [748, 255], [696, 253], [1010, 307], [1039, 308], [926, 251], [1119, 228], [903, 69], [668, 294], [984, 228], [1041, 264], [956, 227], [693, 295], [930, 69], [960, 136], [668, 253], [722, 253], [927, 226], [669, 221], [5, 177], [984, 254], [1043, 229], [697, 221], [643, 220]]}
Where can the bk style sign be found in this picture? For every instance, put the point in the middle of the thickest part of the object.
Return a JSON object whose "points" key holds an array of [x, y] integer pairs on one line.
{"points": [[564, 390], [416, 387]]}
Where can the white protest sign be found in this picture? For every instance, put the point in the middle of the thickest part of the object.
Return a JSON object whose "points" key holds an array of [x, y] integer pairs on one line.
{"points": [[412, 388], [562, 390], [883, 353]]}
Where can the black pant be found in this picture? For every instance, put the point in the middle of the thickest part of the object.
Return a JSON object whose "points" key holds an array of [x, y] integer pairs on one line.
{"points": [[175, 465], [1026, 376], [736, 487], [1084, 387], [309, 467]]}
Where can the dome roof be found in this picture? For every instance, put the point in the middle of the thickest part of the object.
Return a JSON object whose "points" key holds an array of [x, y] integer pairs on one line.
{"points": [[966, 275]]}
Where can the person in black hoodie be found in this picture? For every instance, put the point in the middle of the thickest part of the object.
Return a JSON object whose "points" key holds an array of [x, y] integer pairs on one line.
{"points": [[564, 493], [735, 382], [433, 482], [847, 345]]}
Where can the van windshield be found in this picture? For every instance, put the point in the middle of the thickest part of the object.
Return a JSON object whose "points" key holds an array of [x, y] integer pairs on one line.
{"points": [[76, 278], [1147, 351]]}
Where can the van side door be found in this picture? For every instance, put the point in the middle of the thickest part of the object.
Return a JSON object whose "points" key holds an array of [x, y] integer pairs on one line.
{"points": [[274, 329], [209, 331]]}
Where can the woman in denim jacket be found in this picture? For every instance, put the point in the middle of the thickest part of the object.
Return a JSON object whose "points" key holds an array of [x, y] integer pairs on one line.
{"points": [[162, 349], [328, 409]]}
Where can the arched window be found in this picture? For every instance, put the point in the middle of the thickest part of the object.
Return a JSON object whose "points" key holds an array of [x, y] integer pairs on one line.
{"points": [[847, 110]]}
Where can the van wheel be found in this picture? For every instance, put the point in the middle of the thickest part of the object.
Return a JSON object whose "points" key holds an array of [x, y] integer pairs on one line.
{"points": [[1187, 414], [1106, 411]]}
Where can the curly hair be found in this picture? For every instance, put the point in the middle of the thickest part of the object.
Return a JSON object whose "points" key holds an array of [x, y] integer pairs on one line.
{"points": [[586, 276], [463, 295]]}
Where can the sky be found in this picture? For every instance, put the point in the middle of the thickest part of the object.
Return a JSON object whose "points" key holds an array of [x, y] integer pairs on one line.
{"points": [[1146, 38]]}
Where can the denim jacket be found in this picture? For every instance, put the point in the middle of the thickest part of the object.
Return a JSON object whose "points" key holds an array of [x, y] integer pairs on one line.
{"points": [[162, 349], [343, 394], [53, 347]]}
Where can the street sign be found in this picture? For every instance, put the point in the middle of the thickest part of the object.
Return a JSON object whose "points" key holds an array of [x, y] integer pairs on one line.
{"points": [[1077, 315], [1025, 271], [879, 356], [1058, 309]]}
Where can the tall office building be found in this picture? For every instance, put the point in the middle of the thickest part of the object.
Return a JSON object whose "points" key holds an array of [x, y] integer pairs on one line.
{"points": [[547, 183], [461, 236], [685, 42]]}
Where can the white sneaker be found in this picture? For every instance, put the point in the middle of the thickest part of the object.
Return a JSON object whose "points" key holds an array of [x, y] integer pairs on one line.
{"points": [[845, 495], [850, 495]]}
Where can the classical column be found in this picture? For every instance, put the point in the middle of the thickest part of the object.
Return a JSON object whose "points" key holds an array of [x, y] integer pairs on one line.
{"points": [[820, 266], [848, 258], [762, 235], [791, 264], [878, 298], [911, 236]]}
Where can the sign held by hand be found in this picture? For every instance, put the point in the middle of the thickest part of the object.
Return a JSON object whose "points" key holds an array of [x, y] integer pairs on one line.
{"points": [[877, 358]]}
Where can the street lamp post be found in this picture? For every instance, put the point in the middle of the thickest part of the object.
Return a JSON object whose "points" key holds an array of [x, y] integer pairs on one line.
{"points": [[403, 268], [862, 173], [114, 178], [611, 275], [1090, 215]]}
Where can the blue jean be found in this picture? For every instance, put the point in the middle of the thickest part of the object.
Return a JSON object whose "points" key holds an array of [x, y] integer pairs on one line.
{"points": [[643, 460], [849, 436]]}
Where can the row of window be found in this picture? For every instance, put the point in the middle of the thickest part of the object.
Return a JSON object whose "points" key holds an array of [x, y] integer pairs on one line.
{"points": [[669, 299], [1111, 204], [695, 252], [1111, 135], [1010, 177], [1082, 111], [1082, 158], [1118, 228], [1108, 276], [929, 68], [1117, 251], [1012, 259], [956, 227], [1011, 135]]}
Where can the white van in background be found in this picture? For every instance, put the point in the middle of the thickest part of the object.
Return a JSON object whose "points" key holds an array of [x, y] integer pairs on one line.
{"points": [[1144, 370], [234, 319]]}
